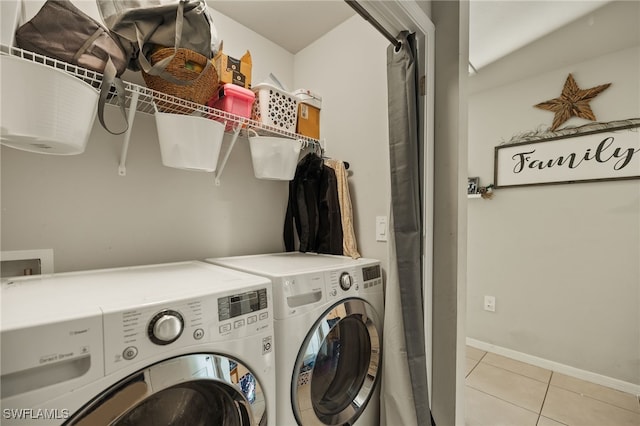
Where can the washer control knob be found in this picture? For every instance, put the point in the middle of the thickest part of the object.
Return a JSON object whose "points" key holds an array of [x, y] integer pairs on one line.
{"points": [[165, 327], [346, 281]]}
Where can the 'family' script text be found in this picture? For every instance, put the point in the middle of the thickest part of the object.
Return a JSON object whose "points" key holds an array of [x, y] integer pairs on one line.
{"points": [[602, 154]]}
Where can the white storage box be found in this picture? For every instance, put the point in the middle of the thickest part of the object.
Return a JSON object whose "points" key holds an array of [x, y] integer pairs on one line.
{"points": [[273, 157], [189, 142], [275, 107], [44, 110], [309, 98]]}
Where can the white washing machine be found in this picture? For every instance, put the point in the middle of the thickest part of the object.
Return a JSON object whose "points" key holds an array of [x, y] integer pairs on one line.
{"points": [[184, 343], [328, 327]]}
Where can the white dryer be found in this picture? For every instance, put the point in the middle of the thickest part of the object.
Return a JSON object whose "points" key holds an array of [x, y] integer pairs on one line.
{"points": [[328, 326], [184, 343]]}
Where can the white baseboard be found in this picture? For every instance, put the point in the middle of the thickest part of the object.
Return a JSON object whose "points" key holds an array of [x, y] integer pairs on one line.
{"points": [[589, 376]]}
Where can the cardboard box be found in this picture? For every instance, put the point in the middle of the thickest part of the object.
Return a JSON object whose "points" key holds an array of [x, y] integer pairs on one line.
{"points": [[232, 70], [308, 123]]}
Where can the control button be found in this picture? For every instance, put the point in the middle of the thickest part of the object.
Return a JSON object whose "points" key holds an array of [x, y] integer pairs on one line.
{"points": [[252, 319], [224, 328], [264, 315], [130, 353], [198, 334], [366, 285], [238, 324]]}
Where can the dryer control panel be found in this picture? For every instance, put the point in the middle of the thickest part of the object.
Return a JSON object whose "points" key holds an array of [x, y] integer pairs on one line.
{"points": [[152, 330], [298, 294]]}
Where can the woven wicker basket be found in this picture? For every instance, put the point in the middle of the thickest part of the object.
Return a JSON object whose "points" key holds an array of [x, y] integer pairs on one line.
{"points": [[203, 86]]}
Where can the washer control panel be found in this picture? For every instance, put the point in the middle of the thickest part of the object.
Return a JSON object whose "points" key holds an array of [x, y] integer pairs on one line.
{"points": [[371, 276], [236, 305], [241, 310], [133, 335], [351, 281]]}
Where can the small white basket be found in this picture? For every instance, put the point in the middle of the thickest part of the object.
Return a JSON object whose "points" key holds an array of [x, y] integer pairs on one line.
{"points": [[274, 158], [189, 142], [275, 107]]}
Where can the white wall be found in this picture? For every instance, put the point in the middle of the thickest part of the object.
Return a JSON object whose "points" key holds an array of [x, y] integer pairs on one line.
{"points": [[267, 57], [561, 260], [347, 67], [93, 218]]}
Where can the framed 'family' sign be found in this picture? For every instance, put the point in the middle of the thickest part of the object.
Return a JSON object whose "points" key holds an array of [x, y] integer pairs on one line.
{"points": [[605, 154]]}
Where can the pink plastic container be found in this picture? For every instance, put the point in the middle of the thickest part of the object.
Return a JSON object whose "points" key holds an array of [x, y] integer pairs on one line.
{"points": [[234, 99]]}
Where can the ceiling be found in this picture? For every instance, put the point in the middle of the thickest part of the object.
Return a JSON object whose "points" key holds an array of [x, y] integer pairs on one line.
{"points": [[496, 27], [291, 24]]}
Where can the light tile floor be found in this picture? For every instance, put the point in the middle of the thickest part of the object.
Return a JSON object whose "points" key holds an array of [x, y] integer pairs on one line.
{"points": [[501, 391]]}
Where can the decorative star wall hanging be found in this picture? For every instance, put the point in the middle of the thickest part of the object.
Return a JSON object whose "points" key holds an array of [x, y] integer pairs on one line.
{"points": [[573, 102]]}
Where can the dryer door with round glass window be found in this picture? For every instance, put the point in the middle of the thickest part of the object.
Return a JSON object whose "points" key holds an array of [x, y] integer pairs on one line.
{"points": [[336, 370], [194, 390]]}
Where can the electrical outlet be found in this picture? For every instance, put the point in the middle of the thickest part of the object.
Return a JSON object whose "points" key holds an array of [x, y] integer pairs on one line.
{"points": [[490, 303]]}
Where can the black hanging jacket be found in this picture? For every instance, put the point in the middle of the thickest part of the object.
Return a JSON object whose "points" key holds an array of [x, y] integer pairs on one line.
{"points": [[313, 208]]}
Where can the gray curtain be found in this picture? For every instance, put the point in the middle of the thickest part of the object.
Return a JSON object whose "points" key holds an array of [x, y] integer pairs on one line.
{"points": [[406, 208]]}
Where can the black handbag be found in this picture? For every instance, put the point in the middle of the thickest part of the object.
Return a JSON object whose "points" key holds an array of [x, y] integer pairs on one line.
{"points": [[62, 31]]}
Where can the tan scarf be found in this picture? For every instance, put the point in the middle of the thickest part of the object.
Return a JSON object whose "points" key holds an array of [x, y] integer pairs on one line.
{"points": [[349, 245]]}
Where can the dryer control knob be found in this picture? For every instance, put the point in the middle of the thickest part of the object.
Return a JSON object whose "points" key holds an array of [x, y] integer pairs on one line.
{"points": [[346, 281], [165, 327]]}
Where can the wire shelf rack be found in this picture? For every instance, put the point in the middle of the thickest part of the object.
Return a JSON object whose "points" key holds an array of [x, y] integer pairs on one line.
{"points": [[147, 101]]}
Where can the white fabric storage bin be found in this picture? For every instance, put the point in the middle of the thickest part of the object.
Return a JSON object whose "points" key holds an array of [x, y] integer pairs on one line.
{"points": [[274, 158], [45, 110], [189, 142]]}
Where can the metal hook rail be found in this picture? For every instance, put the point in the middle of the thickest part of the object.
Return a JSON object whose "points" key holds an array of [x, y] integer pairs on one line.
{"points": [[142, 99]]}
